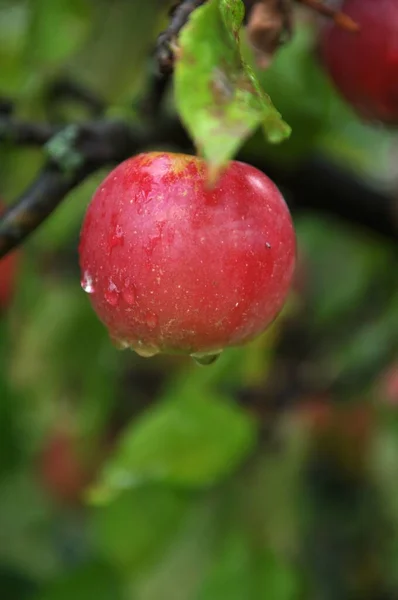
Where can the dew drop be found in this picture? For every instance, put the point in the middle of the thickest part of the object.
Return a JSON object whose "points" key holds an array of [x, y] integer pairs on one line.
{"points": [[87, 283], [145, 351], [152, 320], [206, 358], [120, 344]]}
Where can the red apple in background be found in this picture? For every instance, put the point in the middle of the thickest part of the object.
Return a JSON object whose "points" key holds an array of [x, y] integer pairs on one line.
{"points": [[8, 268], [342, 431], [364, 64], [388, 385], [64, 470], [172, 265]]}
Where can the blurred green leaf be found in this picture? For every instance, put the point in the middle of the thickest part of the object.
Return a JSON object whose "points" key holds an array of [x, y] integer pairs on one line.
{"points": [[275, 578], [136, 528], [57, 28], [240, 573], [13, 26], [343, 265], [25, 535], [193, 443], [10, 425], [362, 357], [217, 94], [48, 362], [244, 569], [301, 91], [179, 574], [114, 59], [15, 585], [272, 497], [231, 573], [88, 582]]}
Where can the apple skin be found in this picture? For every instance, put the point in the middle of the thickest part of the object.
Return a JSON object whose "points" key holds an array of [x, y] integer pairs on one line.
{"points": [[364, 65], [173, 265]]}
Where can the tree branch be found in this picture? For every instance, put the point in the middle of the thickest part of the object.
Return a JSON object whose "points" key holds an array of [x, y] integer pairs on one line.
{"points": [[318, 185], [25, 133], [71, 160], [65, 89], [164, 45], [77, 151]]}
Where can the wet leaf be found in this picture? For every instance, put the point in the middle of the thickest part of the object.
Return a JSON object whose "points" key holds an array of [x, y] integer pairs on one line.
{"points": [[218, 96]]}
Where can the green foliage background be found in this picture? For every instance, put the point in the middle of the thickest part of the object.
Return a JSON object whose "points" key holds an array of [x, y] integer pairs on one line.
{"points": [[206, 494]]}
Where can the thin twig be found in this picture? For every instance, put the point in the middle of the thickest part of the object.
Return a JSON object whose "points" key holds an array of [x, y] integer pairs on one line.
{"points": [[340, 18], [168, 38]]}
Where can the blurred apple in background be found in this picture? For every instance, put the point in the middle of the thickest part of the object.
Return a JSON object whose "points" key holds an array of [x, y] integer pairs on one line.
{"points": [[8, 270]]}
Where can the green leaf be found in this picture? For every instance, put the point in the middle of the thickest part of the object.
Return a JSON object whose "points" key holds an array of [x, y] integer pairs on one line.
{"points": [[135, 529], [11, 443], [191, 443], [179, 574], [293, 72], [275, 578], [56, 30], [231, 574], [217, 94], [15, 585], [26, 542], [88, 581]]}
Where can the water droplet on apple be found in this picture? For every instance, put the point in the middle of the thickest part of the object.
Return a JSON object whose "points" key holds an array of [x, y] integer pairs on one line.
{"points": [[120, 344], [206, 358], [87, 283], [146, 351]]}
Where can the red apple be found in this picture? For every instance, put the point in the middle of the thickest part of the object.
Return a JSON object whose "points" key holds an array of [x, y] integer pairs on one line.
{"points": [[172, 265], [364, 65]]}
